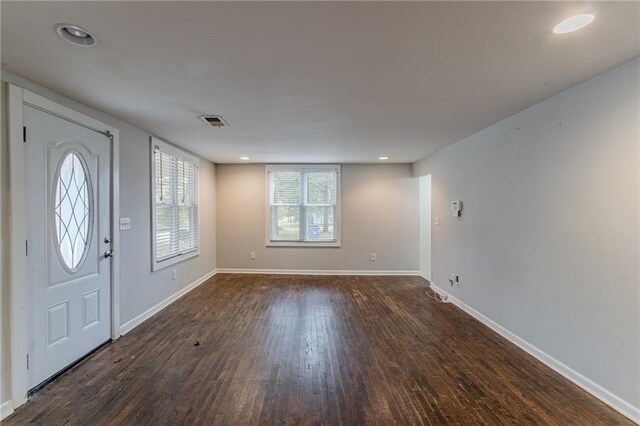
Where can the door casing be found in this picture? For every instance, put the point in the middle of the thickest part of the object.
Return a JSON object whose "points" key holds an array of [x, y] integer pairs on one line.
{"points": [[19, 335]]}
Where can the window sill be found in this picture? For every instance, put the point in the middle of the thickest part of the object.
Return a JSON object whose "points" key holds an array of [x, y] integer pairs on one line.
{"points": [[333, 244], [156, 266]]}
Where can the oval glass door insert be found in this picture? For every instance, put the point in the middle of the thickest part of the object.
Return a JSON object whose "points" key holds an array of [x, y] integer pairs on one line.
{"points": [[72, 211]]}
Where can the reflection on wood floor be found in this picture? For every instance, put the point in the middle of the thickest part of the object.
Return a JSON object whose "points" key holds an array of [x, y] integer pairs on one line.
{"points": [[266, 349]]}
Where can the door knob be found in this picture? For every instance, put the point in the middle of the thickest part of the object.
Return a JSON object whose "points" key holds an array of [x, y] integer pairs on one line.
{"points": [[107, 240], [108, 254]]}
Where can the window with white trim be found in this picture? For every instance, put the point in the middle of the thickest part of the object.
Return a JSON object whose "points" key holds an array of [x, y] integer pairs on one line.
{"points": [[174, 190], [304, 205]]}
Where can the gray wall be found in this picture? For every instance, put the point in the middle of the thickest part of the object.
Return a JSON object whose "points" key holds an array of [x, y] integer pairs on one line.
{"points": [[548, 243], [140, 289], [379, 214]]}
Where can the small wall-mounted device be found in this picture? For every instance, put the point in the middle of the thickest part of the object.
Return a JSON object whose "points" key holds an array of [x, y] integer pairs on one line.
{"points": [[456, 208], [125, 224]]}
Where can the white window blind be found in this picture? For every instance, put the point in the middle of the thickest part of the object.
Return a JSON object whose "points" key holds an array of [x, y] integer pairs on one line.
{"points": [[304, 204], [175, 206]]}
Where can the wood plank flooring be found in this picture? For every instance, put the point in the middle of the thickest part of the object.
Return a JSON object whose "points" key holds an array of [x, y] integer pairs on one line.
{"points": [[274, 349]]}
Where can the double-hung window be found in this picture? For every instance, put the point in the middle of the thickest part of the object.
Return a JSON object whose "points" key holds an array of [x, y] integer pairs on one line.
{"points": [[304, 205], [174, 191]]}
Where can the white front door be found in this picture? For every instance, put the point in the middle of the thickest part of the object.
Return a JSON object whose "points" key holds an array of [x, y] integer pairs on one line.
{"points": [[68, 220]]}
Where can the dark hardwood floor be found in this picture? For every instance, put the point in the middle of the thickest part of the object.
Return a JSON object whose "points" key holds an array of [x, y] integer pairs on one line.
{"points": [[279, 349]]}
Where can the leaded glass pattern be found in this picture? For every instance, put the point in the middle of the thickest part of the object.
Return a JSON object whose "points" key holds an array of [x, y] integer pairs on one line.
{"points": [[72, 212]]}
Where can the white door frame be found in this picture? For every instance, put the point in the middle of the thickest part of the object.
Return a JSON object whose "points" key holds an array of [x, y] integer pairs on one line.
{"points": [[20, 334]]}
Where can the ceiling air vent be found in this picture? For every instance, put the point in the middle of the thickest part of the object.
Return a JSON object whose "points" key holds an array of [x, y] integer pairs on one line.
{"points": [[214, 120]]}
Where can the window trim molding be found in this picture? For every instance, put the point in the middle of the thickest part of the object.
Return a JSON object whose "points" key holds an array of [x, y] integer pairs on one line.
{"points": [[178, 153], [302, 168]]}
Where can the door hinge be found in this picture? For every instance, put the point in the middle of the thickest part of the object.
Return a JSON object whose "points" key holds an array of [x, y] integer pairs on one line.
{"points": [[24, 134], [27, 361], [26, 248]]}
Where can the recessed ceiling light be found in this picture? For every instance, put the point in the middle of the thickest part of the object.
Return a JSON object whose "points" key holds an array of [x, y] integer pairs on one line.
{"points": [[574, 23], [245, 158], [75, 34], [383, 158]]}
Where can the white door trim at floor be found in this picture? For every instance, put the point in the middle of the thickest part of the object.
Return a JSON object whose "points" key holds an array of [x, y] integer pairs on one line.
{"points": [[19, 336]]}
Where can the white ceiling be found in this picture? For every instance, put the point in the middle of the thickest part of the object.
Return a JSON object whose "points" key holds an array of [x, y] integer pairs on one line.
{"points": [[315, 81]]}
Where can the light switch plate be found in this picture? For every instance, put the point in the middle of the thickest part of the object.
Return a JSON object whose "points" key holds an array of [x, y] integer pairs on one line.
{"points": [[125, 224]]}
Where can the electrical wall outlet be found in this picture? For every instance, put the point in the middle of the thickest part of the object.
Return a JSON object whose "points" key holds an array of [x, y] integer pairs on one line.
{"points": [[436, 220], [373, 257], [175, 274], [253, 255]]}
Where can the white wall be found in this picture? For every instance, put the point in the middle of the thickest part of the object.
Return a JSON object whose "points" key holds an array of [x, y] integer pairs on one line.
{"points": [[379, 214], [548, 242], [5, 366], [425, 226], [140, 289]]}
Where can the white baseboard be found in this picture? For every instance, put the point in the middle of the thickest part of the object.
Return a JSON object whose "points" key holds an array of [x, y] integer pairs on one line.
{"points": [[312, 272], [130, 325], [585, 383], [6, 409]]}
